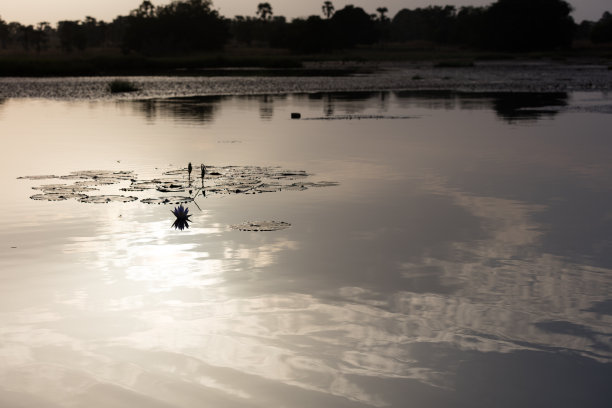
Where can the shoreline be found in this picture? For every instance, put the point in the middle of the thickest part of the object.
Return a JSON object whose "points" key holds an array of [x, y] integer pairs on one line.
{"points": [[489, 76]]}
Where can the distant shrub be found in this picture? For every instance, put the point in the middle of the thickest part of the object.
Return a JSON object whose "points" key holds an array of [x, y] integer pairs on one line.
{"points": [[121, 85]]}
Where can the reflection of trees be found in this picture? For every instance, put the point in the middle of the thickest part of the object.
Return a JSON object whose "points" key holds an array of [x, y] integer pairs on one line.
{"points": [[350, 102], [528, 106], [190, 109], [266, 107], [510, 106]]}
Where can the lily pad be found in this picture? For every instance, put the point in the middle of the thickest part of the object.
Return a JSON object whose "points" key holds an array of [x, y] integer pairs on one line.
{"points": [[56, 196], [219, 180], [41, 177], [100, 176], [102, 199], [171, 187], [142, 185], [261, 226], [63, 188]]}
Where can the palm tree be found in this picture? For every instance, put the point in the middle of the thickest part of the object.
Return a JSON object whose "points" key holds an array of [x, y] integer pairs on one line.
{"points": [[328, 9], [264, 11], [382, 11], [146, 9]]}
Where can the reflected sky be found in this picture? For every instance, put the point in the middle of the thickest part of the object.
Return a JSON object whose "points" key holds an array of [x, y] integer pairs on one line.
{"points": [[463, 259]]}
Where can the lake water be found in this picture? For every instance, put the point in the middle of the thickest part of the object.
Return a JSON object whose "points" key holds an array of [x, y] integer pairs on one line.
{"points": [[455, 250]]}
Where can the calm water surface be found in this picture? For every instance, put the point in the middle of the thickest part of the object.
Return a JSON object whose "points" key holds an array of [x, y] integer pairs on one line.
{"points": [[464, 259]]}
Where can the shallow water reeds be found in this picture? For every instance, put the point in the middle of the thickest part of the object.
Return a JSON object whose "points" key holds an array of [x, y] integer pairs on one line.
{"points": [[121, 86]]}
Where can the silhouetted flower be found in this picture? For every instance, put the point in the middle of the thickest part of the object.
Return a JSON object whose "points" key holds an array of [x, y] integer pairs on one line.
{"points": [[182, 217]]}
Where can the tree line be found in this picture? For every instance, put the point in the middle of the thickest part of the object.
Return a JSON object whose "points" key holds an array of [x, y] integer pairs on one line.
{"points": [[186, 26]]}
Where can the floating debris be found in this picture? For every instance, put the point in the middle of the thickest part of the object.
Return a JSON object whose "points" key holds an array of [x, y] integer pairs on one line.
{"points": [[261, 226], [102, 199]]}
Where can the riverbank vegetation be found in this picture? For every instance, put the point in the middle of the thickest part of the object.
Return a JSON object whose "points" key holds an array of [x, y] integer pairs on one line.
{"points": [[190, 36]]}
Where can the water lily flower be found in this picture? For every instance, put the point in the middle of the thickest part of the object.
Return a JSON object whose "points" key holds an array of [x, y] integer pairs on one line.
{"points": [[182, 217]]}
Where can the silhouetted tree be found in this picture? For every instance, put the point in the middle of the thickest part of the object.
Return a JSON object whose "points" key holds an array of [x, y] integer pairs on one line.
{"points": [[602, 30], [71, 35], [145, 10], [382, 11], [523, 25], [4, 33], [95, 31], [328, 9], [584, 30], [469, 27], [40, 36], [115, 32], [352, 25], [181, 26], [26, 36], [311, 35], [433, 23], [264, 11], [14, 30]]}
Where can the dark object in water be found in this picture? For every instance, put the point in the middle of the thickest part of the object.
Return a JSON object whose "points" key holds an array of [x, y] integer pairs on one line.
{"points": [[182, 217], [296, 115]]}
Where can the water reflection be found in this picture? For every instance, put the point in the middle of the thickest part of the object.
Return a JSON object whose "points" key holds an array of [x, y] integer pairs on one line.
{"points": [[186, 109], [509, 106], [266, 107], [437, 273], [520, 106]]}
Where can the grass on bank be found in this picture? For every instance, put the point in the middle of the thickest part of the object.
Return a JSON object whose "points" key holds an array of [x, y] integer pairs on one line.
{"points": [[240, 60]]}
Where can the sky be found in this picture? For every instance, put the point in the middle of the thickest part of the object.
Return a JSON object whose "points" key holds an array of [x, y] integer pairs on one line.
{"points": [[34, 11]]}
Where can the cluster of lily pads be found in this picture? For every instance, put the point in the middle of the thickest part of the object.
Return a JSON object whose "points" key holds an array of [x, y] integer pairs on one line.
{"points": [[172, 186]]}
